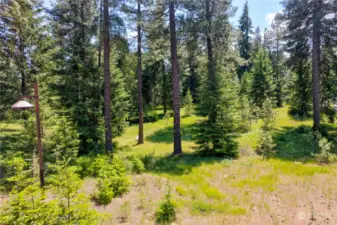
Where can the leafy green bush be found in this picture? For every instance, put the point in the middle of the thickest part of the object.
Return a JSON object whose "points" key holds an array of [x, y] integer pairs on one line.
{"points": [[104, 194], [98, 166], [166, 212], [137, 165], [16, 172], [113, 171], [325, 156], [119, 184], [83, 164]]}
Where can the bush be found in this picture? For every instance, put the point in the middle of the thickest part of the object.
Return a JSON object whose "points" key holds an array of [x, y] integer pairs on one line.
{"points": [[98, 166], [83, 165], [119, 185], [137, 165], [104, 166], [266, 146], [166, 212], [149, 161], [325, 156], [104, 194]]}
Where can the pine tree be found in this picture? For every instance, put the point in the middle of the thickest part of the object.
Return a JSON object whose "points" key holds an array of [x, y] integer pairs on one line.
{"points": [[188, 103], [276, 51], [139, 75], [120, 97], [76, 72], [245, 46], [261, 73], [216, 134], [175, 81], [257, 41], [25, 48], [107, 79], [310, 19], [329, 80], [301, 90]]}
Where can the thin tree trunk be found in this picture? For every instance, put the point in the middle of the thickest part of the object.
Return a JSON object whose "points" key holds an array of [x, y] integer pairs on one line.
{"points": [[140, 84], [164, 88], [175, 81], [100, 33], [211, 63], [315, 63], [107, 91]]}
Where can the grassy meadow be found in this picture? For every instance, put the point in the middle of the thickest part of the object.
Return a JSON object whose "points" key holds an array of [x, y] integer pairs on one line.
{"points": [[287, 189]]}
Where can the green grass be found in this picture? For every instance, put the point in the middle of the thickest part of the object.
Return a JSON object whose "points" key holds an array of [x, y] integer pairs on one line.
{"points": [[206, 185]]}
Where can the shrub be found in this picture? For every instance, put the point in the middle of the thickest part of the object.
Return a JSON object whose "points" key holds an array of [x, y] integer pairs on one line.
{"points": [[83, 165], [98, 166], [325, 156], [149, 161], [104, 194], [119, 185], [266, 146], [166, 212], [137, 165]]}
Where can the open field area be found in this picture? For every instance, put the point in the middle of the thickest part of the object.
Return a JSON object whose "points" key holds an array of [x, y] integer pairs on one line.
{"points": [[287, 189]]}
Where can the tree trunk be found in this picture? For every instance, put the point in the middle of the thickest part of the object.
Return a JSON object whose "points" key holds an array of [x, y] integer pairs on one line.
{"points": [[139, 74], [100, 34], [107, 91], [315, 63], [211, 63], [175, 81], [164, 88]]}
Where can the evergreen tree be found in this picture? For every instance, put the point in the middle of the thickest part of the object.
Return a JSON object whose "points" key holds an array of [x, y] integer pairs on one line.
{"points": [[310, 20], [107, 79], [276, 50], [120, 97], [175, 81], [261, 73], [329, 80], [76, 73], [139, 75], [245, 46], [301, 90], [188, 103], [257, 41], [216, 135], [25, 48]]}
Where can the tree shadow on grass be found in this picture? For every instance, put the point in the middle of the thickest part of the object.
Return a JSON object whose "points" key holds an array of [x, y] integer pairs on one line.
{"points": [[295, 144], [166, 135], [177, 165], [298, 144]]}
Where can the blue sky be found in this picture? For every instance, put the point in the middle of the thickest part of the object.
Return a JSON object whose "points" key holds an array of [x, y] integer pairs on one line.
{"points": [[260, 11]]}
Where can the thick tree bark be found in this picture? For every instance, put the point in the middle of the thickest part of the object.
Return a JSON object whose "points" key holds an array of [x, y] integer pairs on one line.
{"points": [[140, 84], [107, 85], [175, 81], [315, 63]]}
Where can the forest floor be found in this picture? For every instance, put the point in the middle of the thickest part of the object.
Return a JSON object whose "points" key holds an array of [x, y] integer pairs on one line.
{"points": [[288, 189]]}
